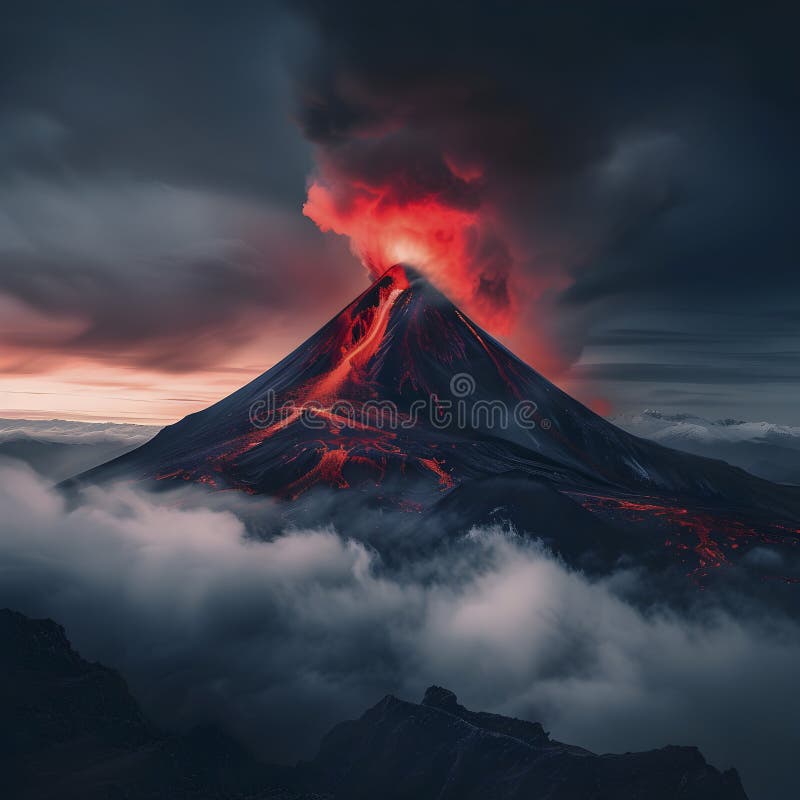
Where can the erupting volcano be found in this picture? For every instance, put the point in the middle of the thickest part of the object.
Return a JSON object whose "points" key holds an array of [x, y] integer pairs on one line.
{"points": [[453, 241], [405, 400]]}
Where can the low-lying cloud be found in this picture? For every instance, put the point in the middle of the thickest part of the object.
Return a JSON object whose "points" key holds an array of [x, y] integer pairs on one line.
{"points": [[70, 432], [277, 639]]}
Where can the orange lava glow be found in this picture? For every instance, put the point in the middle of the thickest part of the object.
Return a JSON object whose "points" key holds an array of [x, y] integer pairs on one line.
{"points": [[357, 343], [366, 450], [328, 470], [436, 466], [715, 535]]}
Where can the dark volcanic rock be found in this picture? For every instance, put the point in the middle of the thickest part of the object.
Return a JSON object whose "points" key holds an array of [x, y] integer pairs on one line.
{"points": [[71, 729], [531, 732], [441, 750], [402, 400], [312, 420]]}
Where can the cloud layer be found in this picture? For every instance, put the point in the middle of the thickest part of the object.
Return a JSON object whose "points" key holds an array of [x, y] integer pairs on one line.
{"points": [[69, 432], [279, 638]]}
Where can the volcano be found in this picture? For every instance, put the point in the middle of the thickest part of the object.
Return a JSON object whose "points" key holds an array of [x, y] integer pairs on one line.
{"points": [[403, 399]]}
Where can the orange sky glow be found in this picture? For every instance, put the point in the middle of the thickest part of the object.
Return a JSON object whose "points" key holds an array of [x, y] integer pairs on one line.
{"points": [[89, 391]]}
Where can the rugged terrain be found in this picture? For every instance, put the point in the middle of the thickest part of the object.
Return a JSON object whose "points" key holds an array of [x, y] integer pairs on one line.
{"points": [[71, 729]]}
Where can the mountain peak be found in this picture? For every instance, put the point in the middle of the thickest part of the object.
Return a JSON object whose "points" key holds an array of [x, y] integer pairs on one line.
{"points": [[404, 277], [439, 697], [401, 271], [401, 749]]}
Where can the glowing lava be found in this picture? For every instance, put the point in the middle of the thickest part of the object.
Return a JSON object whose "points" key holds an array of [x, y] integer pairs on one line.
{"points": [[436, 466], [355, 344], [328, 470], [715, 533], [348, 352]]}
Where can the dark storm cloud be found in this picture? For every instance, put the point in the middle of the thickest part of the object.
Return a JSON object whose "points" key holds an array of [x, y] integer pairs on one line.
{"points": [[151, 185], [187, 92], [643, 153], [155, 275], [279, 639], [644, 150], [688, 373]]}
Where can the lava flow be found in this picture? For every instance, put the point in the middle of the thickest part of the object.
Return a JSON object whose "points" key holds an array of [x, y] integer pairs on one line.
{"points": [[348, 440], [403, 348], [716, 534], [355, 344]]}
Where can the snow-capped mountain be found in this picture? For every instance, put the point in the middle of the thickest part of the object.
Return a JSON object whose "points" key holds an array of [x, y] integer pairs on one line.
{"points": [[58, 448], [768, 450], [64, 431]]}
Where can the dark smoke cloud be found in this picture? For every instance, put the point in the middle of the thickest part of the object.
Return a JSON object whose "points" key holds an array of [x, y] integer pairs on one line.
{"points": [[637, 156], [159, 276], [151, 188], [629, 157], [279, 638]]}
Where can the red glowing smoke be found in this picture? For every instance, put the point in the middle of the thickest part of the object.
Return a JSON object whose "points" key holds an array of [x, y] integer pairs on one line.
{"points": [[450, 242], [442, 214]]}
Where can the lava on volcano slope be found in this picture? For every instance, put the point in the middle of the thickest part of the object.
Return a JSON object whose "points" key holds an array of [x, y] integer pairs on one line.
{"points": [[401, 343], [354, 346], [349, 353], [711, 536]]}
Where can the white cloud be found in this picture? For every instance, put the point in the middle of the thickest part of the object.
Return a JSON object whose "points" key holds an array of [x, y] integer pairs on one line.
{"points": [[69, 432], [281, 638]]}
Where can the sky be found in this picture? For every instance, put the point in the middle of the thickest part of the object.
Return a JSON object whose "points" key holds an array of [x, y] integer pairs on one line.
{"points": [[189, 190]]}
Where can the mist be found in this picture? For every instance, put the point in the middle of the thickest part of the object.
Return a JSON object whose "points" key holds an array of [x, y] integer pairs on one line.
{"points": [[276, 639]]}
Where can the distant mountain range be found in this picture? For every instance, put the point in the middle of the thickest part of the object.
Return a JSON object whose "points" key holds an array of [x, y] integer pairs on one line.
{"points": [[59, 448], [762, 448], [72, 731]]}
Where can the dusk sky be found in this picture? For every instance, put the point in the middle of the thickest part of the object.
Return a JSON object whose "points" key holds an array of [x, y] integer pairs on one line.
{"points": [[188, 192]]}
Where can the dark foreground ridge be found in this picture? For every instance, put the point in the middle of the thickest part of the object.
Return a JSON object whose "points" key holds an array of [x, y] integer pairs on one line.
{"points": [[71, 729], [439, 749]]}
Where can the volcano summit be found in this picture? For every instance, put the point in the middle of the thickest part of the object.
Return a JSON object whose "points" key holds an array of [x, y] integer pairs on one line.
{"points": [[402, 398]]}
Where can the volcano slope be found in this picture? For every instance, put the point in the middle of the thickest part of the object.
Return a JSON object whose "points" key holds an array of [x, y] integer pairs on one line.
{"points": [[405, 402]]}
